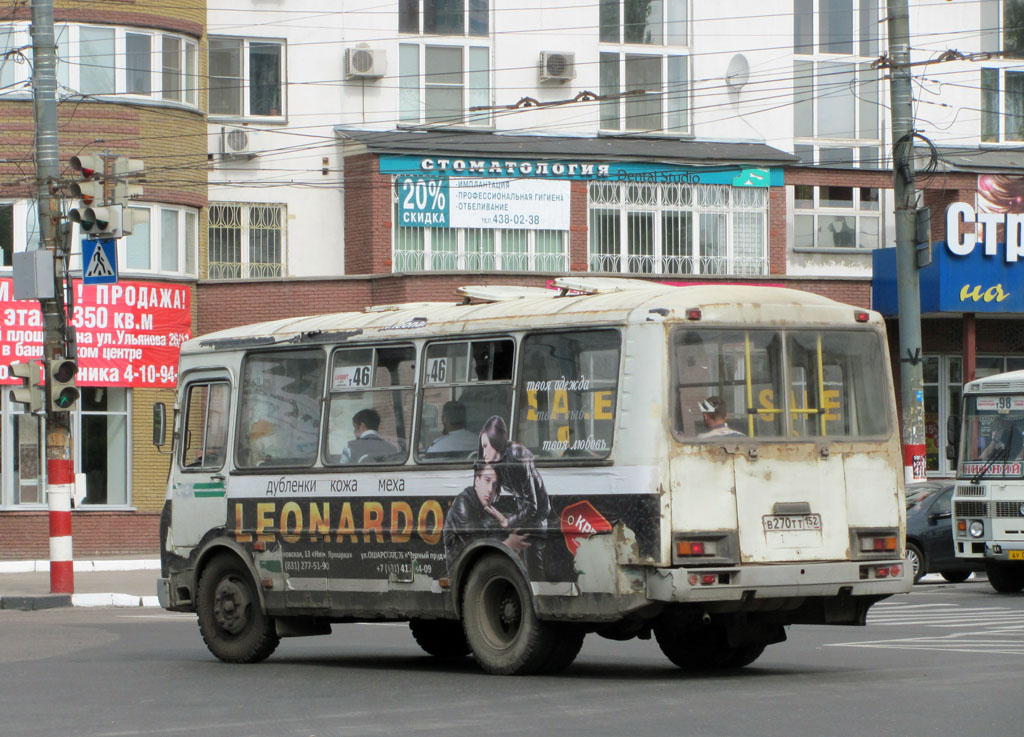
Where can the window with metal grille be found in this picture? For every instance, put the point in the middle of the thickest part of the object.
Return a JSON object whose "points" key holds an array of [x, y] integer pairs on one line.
{"points": [[246, 241], [673, 228], [477, 249]]}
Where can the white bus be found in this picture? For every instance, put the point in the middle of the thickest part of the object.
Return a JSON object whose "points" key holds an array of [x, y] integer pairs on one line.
{"points": [[988, 504], [707, 464]]}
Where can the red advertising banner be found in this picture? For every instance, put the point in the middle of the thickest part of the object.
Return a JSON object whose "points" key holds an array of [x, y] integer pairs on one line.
{"points": [[129, 333]]}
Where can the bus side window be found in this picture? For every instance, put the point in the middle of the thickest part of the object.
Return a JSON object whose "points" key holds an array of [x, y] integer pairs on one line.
{"points": [[567, 393], [279, 409], [205, 426], [465, 383], [369, 403]]}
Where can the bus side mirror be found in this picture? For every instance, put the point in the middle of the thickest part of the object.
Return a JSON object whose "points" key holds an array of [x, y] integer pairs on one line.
{"points": [[953, 434], [159, 424]]}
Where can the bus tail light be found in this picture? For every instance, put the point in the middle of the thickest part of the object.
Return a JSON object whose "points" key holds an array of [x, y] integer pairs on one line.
{"points": [[879, 544], [861, 316], [693, 313], [694, 548]]}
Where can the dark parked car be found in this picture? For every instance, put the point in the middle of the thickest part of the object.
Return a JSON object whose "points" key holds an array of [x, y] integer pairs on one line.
{"points": [[930, 532]]}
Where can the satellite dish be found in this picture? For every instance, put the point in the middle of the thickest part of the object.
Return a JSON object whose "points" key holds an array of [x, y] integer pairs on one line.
{"points": [[738, 72]]}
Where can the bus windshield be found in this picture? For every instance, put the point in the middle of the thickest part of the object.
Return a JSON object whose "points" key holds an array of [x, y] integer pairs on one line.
{"points": [[993, 434], [778, 384]]}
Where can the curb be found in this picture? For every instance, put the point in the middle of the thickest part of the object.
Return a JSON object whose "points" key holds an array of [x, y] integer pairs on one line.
{"points": [[81, 566], [54, 601]]}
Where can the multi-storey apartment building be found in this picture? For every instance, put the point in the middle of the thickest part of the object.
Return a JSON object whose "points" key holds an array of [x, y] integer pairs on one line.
{"points": [[364, 153], [387, 152], [129, 84]]}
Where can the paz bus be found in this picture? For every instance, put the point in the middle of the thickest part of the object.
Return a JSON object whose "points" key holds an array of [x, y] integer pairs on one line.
{"points": [[707, 464], [988, 503]]}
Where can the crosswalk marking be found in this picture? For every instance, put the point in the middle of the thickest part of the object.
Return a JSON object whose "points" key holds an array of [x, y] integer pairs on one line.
{"points": [[978, 629]]}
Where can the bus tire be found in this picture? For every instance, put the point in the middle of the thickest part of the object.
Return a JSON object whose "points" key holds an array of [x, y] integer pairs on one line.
{"points": [[568, 643], [442, 638], [955, 576], [704, 648], [233, 624], [502, 629], [1006, 578]]}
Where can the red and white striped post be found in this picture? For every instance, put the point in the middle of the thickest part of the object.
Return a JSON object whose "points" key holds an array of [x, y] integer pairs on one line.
{"points": [[60, 487]]}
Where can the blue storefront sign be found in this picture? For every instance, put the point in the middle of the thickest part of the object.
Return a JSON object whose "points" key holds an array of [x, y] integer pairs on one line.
{"points": [[967, 275]]}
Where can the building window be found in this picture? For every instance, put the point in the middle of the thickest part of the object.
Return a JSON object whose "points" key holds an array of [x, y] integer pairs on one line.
{"points": [[246, 241], [103, 444], [677, 229], [836, 27], [246, 77], [100, 428], [443, 17], [836, 217], [654, 22], [478, 249], [837, 101], [454, 80], [1002, 105], [1002, 27], [19, 229], [163, 241], [644, 91], [104, 60]]}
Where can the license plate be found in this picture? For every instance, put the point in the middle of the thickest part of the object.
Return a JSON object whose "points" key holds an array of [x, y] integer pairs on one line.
{"points": [[791, 522], [1017, 555]]}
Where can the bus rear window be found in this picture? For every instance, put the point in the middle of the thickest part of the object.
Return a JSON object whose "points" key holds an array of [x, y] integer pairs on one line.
{"points": [[775, 384], [567, 393], [279, 412]]}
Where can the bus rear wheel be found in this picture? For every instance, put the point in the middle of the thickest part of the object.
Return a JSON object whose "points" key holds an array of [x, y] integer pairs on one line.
{"points": [[502, 630], [233, 624], [1006, 578], [442, 638], [704, 647]]}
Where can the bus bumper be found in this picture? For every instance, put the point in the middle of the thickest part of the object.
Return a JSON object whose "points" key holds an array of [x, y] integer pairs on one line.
{"points": [[1003, 551], [779, 581]]}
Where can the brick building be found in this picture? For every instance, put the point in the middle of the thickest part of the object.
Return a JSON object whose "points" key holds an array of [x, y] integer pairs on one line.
{"points": [[128, 85]]}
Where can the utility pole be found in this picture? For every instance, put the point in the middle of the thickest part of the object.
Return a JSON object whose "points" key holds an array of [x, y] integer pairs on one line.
{"points": [[58, 333], [908, 283]]}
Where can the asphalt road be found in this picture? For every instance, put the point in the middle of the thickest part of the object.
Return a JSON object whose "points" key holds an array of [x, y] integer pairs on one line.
{"points": [[946, 659]]}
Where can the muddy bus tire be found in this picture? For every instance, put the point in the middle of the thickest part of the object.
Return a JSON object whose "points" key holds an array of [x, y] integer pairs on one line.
{"points": [[233, 624], [704, 648], [501, 627], [1006, 578], [442, 638], [568, 643]]}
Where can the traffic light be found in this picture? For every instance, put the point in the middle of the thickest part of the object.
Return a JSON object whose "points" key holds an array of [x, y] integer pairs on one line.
{"points": [[29, 393], [60, 378], [99, 222]]}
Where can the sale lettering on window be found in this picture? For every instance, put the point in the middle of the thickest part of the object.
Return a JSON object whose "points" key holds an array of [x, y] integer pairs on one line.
{"points": [[128, 334], [569, 382]]}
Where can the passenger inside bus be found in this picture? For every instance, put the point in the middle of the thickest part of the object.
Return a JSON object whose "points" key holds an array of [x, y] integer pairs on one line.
{"points": [[714, 413], [368, 446], [455, 439]]}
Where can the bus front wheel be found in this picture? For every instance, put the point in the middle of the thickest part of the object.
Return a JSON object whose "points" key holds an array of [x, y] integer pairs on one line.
{"points": [[1006, 578], [233, 624], [502, 630]]}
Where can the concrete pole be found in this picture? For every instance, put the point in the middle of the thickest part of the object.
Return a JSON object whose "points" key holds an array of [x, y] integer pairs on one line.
{"points": [[905, 196], [59, 462]]}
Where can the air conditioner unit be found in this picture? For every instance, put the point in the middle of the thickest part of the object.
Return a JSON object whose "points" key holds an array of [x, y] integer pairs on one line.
{"points": [[557, 66], [238, 143], [365, 63]]}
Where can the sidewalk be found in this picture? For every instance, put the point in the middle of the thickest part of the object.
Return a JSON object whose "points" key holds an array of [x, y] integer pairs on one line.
{"points": [[25, 584]]}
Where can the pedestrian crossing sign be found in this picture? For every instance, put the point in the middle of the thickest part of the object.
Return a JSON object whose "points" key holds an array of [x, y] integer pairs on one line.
{"points": [[99, 261]]}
